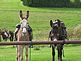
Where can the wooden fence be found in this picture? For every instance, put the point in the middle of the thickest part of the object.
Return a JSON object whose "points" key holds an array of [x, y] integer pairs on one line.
{"points": [[40, 42]]}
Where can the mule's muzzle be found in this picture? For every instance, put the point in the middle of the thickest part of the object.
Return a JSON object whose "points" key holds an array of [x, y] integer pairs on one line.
{"points": [[24, 30]]}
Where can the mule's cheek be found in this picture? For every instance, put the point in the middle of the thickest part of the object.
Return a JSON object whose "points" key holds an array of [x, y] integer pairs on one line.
{"points": [[24, 30]]}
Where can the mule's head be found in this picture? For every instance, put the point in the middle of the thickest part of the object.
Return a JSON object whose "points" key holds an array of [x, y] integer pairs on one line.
{"points": [[24, 21], [55, 24]]}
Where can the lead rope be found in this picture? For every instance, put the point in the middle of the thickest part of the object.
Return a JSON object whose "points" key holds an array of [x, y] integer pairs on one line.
{"points": [[30, 51]]}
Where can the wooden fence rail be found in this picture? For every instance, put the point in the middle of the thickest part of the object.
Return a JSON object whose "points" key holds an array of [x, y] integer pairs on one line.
{"points": [[40, 42]]}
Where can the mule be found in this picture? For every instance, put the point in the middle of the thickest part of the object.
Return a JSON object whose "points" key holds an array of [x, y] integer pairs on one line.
{"points": [[5, 35], [58, 32], [22, 35]]}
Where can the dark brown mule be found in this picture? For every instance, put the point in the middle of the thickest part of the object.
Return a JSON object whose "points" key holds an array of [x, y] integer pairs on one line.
{"points": [[58, 32], [23, 35]]}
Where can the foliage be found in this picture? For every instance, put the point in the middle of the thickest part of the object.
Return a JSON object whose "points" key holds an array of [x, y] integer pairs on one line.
{"points": [[77, 31], [47, 3], [52, 3]]}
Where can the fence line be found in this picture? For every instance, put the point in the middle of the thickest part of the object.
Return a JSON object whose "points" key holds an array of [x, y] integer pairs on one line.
{"points": [[40, 42]]}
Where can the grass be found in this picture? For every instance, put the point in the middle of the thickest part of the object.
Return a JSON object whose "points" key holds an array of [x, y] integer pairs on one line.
{"points": [[39, 20], [44, 54]]}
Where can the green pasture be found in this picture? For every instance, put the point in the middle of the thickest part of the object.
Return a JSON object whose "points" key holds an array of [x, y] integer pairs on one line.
{"points": [[44, 54], [39, 17]]}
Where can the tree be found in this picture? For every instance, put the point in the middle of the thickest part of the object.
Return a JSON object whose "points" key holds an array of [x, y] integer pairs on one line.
{"points": [[77, 3]]}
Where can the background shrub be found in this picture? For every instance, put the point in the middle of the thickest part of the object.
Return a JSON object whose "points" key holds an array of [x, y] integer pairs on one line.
{"points": [[52, 3]]}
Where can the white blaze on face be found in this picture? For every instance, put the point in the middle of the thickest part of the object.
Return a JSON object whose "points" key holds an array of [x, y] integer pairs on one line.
{"points": [[24, 23]]}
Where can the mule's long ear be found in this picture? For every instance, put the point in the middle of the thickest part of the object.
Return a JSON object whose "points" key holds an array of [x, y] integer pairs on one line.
{"points": [[21, 14], [51, 23], [27, 14], [58, 22]]}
